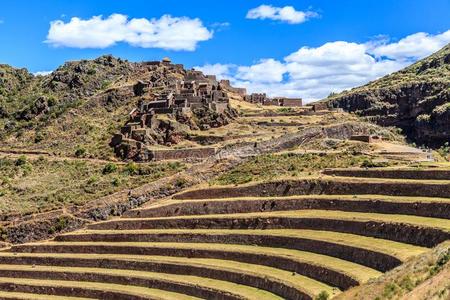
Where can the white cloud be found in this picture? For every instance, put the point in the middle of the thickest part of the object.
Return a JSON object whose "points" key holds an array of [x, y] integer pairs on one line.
{"points": [[286, 14], [414, 46], [42, 73], [313, 73], [266, 70], [167, 32], [221, 71]]}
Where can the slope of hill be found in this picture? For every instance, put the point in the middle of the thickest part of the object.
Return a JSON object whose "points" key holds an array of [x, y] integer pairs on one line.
{"points": [[79, 105], [415, 99], [267, 216]]}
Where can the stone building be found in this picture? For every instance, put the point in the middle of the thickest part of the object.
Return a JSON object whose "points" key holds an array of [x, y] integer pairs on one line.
{"points": [[261, 98], [257, 98], [288, 102], [179, 98], [227, 86]]}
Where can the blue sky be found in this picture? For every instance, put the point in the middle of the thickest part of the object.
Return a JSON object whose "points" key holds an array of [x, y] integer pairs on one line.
{"points": [[298, 48]]}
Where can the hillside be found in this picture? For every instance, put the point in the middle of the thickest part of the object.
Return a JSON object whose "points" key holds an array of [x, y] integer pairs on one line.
{"points": [[79, 105], [302, 203], [415, 99]]}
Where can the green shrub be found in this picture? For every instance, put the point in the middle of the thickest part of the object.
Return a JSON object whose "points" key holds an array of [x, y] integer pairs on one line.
{"points": [[180, 182], [442, 260], [368, 163], [21, 161], [132, 168], [38, 137], [407, 283], [109, 168], [92, 180], [390, 290], [115, 181], [323, 295], [80, 152]]}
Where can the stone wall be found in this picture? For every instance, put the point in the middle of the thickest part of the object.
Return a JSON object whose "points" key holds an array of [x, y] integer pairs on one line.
{"points": [[317, 186], [181, 153], [383, 173]]}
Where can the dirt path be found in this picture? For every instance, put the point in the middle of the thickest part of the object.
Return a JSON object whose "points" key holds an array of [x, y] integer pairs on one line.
{"points": [[38, 154]]}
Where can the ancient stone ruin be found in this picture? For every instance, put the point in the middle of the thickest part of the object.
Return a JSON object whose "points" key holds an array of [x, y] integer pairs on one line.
{"points": [[367, 138], [194, 101], [261, 98]]}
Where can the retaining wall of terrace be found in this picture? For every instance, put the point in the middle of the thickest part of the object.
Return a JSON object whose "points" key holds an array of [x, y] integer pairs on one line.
{"points": [[370, 258], [331, 277], [400, 232], [319, 186], [203, 207], [182, 153], [386, 173], [187, 289], [66, 291], [260, 282]]}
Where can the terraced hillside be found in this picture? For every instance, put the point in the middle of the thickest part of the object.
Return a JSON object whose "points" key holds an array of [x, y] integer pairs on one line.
{"points": [[415, 99], [311, 238]]}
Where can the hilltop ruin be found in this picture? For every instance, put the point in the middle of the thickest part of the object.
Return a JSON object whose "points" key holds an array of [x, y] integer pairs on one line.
{"points": [[193, 101]]}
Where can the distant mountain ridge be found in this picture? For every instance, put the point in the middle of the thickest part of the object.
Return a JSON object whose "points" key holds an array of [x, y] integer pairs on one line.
{"points": [[415, 99]]}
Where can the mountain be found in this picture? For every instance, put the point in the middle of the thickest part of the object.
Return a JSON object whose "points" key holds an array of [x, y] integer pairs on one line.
{"points": [[415, 99]]}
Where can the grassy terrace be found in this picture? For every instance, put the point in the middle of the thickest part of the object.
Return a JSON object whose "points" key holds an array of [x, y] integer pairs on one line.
{"points": [[361, 179], [27, 296], [357, 271], [224, 286], [399, 250], [442, 224], [37, 185], [96, 286], [288, 165], [384, 198]]}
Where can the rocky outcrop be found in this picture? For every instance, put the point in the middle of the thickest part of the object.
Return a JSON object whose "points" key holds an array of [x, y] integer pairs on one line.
{"points": [[415, 99]]}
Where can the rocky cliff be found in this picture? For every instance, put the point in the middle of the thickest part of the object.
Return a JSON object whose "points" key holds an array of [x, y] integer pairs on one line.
{"points": [[415, 99]]}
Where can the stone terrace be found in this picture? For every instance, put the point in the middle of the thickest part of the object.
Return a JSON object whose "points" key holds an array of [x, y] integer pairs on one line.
{"points": [[277, 240]]}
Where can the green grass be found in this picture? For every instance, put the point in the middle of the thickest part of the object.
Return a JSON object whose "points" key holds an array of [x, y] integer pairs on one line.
{"points": [[127, 289], [270, 166], [397, 249], [442, 224], [384, 198], [233, 288], [37, 185], [357, 271]]}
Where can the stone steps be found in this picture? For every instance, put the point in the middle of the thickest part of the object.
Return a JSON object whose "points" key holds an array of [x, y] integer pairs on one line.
{"points": [[249, 237], [27, 296], [421, 174], [421, 231], [418, 206], [325, 185], [84, 289], [205, 288], [374, 253], [286, 240], [330, 270]]}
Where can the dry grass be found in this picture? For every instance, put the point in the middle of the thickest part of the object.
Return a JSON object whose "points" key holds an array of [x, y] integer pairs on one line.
{"points": [[400, 250], [442, 224], [354, 270], [102, 287], [237, 289], [37, 185]]}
